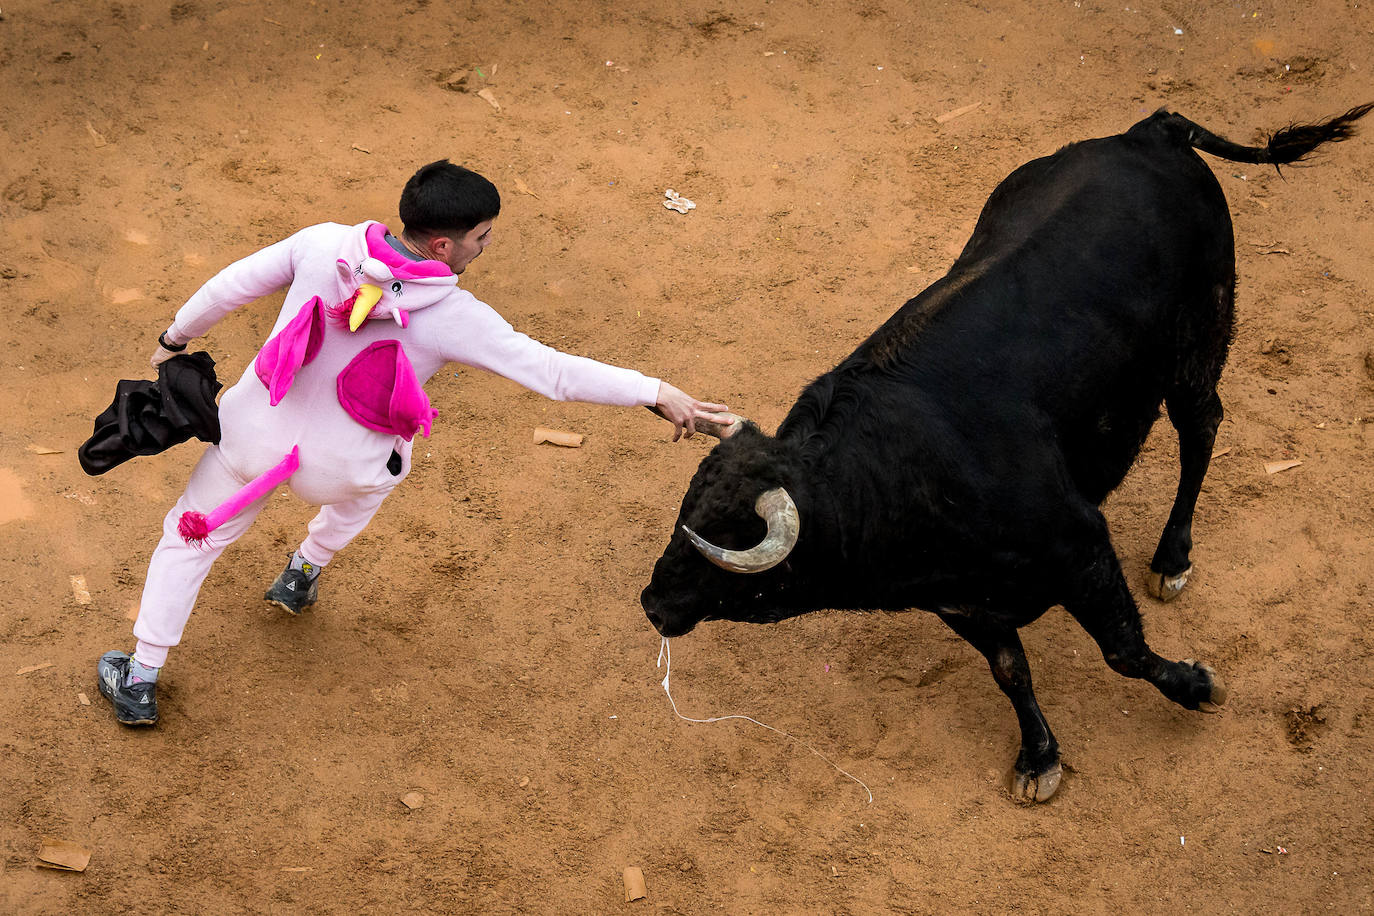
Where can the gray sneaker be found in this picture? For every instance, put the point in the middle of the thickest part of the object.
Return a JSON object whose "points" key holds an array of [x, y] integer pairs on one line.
{"points": [[294, 591], [134, 704]]}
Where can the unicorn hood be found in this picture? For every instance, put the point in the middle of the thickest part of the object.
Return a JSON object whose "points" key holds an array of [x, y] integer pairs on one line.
{"points": [[377, 281]]}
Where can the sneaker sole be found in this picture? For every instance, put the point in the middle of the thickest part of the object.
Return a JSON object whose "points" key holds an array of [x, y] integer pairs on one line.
{"points": [[293, 611], [119, 714]]}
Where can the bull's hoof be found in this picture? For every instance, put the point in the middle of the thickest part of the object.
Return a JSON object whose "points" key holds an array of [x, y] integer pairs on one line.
{"points": [[1034, 788], [1216, 690], [1166, 588]]}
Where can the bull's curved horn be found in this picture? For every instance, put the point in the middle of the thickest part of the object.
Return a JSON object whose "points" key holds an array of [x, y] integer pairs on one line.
{"points": [[775, 507], [728, 425], [723, 427]]}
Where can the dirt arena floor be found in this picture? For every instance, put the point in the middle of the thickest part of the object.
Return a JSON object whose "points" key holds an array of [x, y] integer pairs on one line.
{"points": [[482, 644]]}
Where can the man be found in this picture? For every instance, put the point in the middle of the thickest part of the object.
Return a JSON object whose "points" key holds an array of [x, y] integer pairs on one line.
{"points": [[332, 401]]}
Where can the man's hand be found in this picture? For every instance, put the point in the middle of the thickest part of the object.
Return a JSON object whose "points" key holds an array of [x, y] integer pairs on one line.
{"points": [[162, 353], [683, 410]]}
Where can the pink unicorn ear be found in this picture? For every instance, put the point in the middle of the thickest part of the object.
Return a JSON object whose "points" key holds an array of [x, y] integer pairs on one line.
{"points": [[292, 347]]}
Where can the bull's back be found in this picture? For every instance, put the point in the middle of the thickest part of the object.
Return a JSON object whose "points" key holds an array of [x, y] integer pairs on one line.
{"points": [[1061, 325]]}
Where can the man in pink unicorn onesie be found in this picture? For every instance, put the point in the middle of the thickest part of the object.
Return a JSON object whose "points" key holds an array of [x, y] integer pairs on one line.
{"points": [[331, 404]]}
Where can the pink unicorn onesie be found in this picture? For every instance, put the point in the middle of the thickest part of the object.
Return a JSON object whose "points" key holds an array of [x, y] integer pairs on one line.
{"points": [[332, 402]]}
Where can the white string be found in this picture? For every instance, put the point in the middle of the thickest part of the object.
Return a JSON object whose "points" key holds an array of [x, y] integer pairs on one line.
{"points": [[665, 654]]}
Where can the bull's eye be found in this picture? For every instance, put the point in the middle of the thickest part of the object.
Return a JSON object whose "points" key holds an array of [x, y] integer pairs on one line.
{"points": [[396, 287]]}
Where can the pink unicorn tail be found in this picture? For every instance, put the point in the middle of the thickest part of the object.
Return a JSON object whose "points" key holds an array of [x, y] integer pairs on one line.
{"points": [[195, 527]]}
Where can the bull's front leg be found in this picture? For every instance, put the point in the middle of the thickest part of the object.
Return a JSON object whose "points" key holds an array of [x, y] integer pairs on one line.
{"points": [[1037, 772]]}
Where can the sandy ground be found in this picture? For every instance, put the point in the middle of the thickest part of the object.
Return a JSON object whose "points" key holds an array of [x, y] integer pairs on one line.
{"points": [[482, 644]]}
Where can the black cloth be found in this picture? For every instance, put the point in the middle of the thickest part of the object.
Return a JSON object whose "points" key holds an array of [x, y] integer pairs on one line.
{"points": [[146, 418]]}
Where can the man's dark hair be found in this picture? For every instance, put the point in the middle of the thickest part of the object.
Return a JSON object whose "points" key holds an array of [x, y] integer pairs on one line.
{"points": [[442, 198]]}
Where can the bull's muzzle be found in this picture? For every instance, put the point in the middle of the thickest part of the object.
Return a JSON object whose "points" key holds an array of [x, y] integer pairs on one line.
{"points": [[776, 508]]}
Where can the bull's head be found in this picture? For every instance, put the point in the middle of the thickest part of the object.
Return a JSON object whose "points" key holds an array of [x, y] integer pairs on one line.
{"points": [[739, 524]]}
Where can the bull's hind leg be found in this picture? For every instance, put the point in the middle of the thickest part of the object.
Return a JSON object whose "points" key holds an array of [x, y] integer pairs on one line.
{"points": [[1204, 334], [1196, 417], [1100, 601], [1037, 772]]}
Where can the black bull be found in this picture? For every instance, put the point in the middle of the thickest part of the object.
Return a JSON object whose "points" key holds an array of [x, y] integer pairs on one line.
{"points": [[956, 461]]}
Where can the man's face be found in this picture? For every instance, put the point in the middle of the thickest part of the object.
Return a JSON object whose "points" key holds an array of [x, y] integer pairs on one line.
{"points": [[458, 251]]}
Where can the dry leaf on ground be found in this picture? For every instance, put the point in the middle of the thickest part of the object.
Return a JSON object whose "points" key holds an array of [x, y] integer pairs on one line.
{"points": [[63, 855], [634, 884]]}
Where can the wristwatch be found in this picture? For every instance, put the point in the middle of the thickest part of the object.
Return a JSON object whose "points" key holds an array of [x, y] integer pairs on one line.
{"points": [[170, 347]]}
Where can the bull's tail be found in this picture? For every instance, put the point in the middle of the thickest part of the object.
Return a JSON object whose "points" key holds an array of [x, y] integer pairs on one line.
{"points": [[1290, 144]]}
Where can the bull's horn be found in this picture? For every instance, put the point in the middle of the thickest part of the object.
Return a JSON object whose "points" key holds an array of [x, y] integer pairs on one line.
{"points": [[777, 509], [729, 425], [726, 425]]}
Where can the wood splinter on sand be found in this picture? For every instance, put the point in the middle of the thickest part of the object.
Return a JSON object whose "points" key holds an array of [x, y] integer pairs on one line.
{"points": [[557, 437], [32, 668], [951, 115]]}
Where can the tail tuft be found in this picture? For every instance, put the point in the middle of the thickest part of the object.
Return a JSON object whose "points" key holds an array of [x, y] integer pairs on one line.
{"points": [[1297, 141], [194, 528]]}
